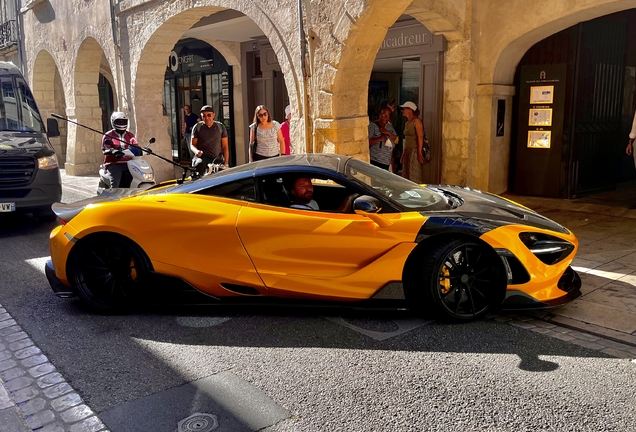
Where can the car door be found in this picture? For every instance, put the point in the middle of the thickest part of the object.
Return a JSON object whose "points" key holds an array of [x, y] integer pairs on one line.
{"points": [[198, 239], [307, 253]]}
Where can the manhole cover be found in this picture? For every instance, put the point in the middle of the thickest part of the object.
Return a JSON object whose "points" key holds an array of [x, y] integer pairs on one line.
{"points": [[198, 422]]}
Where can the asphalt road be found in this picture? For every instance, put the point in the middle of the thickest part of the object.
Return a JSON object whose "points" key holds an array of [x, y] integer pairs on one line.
{"points": [[289, 369]]}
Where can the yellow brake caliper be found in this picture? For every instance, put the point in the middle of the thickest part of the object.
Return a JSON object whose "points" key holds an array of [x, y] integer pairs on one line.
{"points": [[133, 269], [444, 282]]}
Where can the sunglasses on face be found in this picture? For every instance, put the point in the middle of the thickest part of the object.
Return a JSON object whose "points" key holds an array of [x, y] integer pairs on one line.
{"points": [[263, 114], [207, 115]]}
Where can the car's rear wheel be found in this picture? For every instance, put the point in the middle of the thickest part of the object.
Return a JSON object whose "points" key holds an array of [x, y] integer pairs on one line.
{"points": [[459, 280], [109, 273]]}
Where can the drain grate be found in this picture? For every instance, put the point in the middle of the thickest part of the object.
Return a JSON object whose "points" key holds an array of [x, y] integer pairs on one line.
{"points": [[198, 422]]}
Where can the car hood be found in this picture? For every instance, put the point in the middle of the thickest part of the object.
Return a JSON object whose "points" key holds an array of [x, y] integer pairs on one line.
{"points": [[475, 204], [15, 143]]}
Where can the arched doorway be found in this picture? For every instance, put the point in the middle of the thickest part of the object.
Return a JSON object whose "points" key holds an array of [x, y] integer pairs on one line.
{"points": [[216, 27], [49, 95], [85, 155], [409, 67], [572, 143]]}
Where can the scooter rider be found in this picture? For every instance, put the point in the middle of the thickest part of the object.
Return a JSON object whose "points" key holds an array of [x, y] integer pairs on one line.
{"points": [[113, 144]]}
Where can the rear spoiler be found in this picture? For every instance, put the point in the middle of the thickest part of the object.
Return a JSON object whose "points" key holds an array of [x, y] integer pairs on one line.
{"points": [[66, 212]]}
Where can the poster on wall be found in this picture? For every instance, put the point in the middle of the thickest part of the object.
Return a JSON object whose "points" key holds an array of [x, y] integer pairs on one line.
{"points": [[541, 94], [540, 117], [539, 139]]}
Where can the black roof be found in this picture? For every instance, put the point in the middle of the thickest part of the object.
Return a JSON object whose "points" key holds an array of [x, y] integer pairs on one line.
{"points": [[312, 161]]}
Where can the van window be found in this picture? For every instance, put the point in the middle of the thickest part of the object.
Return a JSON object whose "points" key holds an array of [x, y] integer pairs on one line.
{"points": [[18, 111]]}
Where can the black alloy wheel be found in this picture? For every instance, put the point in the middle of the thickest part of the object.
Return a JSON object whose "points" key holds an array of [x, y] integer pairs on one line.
{"points": [[461, 281], [109, 272]]}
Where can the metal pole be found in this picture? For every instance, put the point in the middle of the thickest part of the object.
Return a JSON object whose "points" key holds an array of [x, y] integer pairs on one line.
{"points": [[118, 72], [309, 141], [18, 23]]}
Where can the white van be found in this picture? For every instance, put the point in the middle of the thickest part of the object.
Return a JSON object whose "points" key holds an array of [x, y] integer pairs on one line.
{"points": [[29, 173]]}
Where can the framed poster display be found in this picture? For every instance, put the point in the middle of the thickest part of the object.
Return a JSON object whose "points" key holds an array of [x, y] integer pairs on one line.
{"points": [[539, 139], [540, 117], [541, 94]]}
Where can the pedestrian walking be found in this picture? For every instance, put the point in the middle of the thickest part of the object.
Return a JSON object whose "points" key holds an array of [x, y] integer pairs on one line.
{"points": [[209, 141], [284, 128], [189, 120], [266, 133], [414, 163], [382, 139]]}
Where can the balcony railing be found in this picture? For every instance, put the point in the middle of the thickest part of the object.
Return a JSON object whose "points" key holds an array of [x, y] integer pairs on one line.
{"points": [[8, 34]]}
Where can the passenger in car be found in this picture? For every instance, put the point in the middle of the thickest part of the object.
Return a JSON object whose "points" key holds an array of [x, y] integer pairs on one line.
{"points": [[302, 193]]}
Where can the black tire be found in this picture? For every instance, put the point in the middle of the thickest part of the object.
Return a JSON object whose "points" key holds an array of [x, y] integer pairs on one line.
{"points": [[460, 280], [45, 214], [109, 272]]}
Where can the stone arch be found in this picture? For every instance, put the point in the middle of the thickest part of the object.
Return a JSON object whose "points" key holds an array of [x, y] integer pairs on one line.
{"points": [[342, 98], [501, 46], [508, 49], [148, 70], [49, 94], [85, 155]]}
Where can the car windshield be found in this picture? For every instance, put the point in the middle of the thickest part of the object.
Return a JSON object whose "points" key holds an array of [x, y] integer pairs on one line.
{"points": [[18, 111], [398, 190]]}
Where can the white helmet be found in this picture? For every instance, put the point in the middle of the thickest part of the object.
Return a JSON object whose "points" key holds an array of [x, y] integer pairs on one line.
{"points": [[119, 121]]}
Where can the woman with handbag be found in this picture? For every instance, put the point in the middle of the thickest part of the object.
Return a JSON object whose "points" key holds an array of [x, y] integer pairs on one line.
{"points": [[266, 138], [416, 154]]}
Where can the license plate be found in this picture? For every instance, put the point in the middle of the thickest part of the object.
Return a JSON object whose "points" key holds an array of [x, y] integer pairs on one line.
{"points": [[7, 207]]}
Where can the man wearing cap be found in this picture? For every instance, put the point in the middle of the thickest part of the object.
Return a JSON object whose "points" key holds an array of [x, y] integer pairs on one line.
{"points": [[209, 141], [284, 128]]}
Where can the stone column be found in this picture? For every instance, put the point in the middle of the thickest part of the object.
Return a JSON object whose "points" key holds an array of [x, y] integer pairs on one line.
{"points": [[346, 136], [492, 155]]}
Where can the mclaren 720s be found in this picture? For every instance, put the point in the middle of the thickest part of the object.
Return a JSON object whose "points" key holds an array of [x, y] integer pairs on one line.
{"points": [[312, 228]]}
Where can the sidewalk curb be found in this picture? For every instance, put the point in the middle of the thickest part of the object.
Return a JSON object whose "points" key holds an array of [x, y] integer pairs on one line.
{"points": [[32, 387]]}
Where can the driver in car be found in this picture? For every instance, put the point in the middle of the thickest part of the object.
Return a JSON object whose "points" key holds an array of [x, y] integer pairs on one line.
{"points": [[302, 193]]}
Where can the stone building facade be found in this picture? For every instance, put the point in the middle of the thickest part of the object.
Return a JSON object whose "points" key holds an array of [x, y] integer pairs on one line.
{"points": [[325, 54]]}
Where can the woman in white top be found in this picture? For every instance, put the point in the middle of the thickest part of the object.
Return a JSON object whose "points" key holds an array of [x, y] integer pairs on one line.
{"points": [[269, 138]]}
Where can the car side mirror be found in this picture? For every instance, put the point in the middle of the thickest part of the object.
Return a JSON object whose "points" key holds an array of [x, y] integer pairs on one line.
{"points": [[370, 207], [366, 204], [52, 128]]}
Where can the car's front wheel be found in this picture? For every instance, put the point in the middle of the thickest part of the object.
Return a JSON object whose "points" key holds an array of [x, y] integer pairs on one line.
{"points": [[459, 280], [109, 272]]}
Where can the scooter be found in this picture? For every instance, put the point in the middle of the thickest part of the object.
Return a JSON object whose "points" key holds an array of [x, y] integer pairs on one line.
{"points": [[140, 174], [136, 171]]}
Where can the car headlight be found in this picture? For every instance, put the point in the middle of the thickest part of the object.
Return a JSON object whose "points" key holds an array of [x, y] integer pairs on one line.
{"points": [[549, 249], [149, 176], [47, 162]]}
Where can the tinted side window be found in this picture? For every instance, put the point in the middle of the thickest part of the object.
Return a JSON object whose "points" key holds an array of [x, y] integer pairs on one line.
{"points": [[241, 190]]}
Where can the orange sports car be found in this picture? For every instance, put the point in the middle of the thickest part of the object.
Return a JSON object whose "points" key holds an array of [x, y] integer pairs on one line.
{"points": [[319, 228]]}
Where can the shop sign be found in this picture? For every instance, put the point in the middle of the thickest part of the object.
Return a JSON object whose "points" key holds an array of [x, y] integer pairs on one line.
{"points": [[403, 37], [190, 61]]}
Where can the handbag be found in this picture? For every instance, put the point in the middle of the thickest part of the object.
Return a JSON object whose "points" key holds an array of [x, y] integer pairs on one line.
{"points": [[426, 150], [253, 146]]}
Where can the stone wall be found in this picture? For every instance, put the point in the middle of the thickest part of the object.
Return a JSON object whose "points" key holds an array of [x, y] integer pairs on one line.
{"points": [[486, 39]]}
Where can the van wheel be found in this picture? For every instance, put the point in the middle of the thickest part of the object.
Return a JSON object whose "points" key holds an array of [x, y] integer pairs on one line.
{"points": [[45, 214]]}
